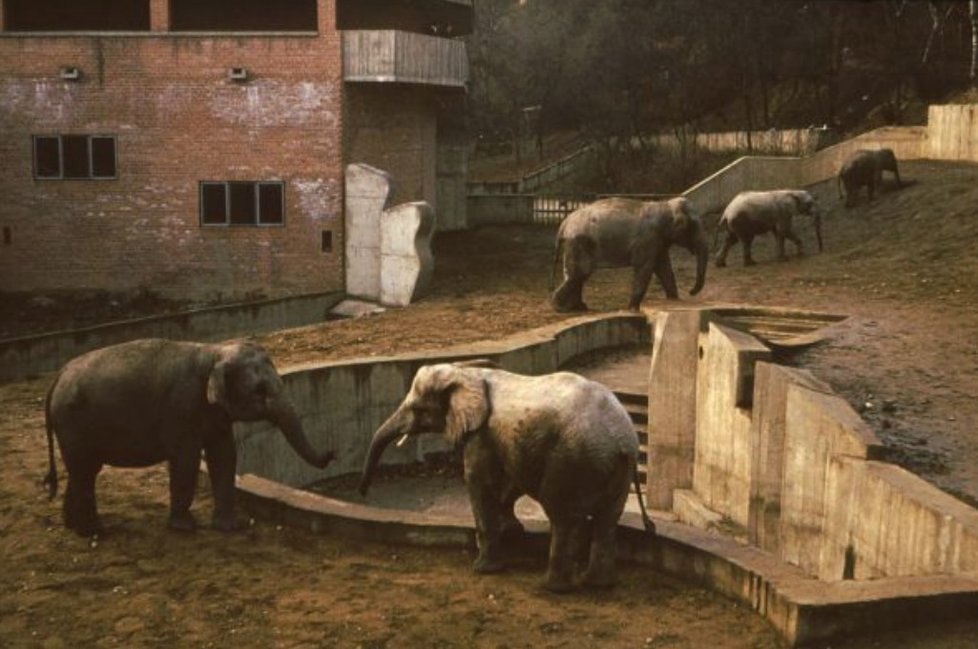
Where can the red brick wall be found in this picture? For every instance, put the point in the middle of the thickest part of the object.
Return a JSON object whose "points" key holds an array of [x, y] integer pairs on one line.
{"points": [[178, 120]]}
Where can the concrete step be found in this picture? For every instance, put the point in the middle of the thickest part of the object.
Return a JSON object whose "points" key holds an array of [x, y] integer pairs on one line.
{"points": [[638, 413], [632, 398]]}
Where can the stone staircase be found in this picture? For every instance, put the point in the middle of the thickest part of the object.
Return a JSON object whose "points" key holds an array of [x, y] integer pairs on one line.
{"points": [[637, 406]]}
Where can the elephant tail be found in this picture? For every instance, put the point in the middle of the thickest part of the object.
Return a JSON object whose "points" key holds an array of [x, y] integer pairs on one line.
{"points": [[51, 479], [838, 184], [558, 246], [646, 521]]}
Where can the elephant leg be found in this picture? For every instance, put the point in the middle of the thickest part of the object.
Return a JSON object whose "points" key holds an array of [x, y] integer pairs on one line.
{"points": [[871, 188], [746, 241], [600, 571], [663, 270], [779, 239], [486, 503], [728, 243], [184, 466], [640, 284], [80, 509], [578, 266], [560, 565], [795, 239], [221, 458]]}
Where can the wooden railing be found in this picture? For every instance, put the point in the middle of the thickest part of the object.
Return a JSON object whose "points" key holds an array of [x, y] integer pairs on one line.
{"points": [[404, 57]]}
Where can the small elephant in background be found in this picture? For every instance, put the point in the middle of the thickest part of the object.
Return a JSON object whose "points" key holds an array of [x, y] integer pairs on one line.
{"points": [[620, 232], [753, 213], [864, 168], [148, 401], [564, 440]]}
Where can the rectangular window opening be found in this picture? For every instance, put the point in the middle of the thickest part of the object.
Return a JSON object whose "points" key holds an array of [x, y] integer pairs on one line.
{"points": [[47, 156], [71, 15], [240, 202], [7, 236], [327, 242], [74, 156], [243, 15]]}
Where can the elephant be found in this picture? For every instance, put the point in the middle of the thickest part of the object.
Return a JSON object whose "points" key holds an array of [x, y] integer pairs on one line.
{"points": [[147, 401], [752, 213], [866, 167], [619, 232], [561, 439]]}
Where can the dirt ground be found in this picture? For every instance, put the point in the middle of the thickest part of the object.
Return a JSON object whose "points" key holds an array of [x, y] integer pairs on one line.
{"points": [[903, 267]]}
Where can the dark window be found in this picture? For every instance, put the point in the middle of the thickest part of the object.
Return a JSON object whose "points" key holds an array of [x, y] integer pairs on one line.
{"points": [[47, 157], [327, 243], [242, 203], [243, 15], [213, 204], [271, 206], [74, 151], [74, 156], [72, 15], [103, 157]]}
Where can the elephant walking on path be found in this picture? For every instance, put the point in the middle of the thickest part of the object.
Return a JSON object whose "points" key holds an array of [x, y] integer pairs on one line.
{"points": [[751, 214], [620, 232], [148, 401], [561, 439]]}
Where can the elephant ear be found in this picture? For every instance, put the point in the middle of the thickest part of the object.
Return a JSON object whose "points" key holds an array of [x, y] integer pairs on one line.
{"points": [[682, 214], [468, 404], [217, 383]]}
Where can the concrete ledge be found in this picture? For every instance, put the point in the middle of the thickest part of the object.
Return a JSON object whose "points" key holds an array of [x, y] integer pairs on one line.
{"points": [[31, 355], [801, 608]]}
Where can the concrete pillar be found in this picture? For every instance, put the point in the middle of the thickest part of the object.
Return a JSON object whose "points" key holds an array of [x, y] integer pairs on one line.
{"points": [[672, 405], [771, 383], [368, 192], [406, 264], [159, 15]]}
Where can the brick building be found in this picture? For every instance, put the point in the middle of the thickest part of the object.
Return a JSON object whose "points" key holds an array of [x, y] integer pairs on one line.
{"points": [[197, 148]]}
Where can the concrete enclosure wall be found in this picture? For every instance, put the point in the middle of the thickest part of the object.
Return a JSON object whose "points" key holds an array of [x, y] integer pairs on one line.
{"points": [[951, 134], [780, 461], [343, 403]]}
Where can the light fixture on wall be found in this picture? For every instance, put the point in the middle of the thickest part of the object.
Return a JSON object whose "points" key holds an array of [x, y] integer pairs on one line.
{"points": [[239, 75], [69, 73]]}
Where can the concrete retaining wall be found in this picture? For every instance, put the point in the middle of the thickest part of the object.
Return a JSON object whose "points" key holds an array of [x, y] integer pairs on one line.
{"points": [[951, 134], [803, 141], [343, 403], [781, 458], [28, 356]]}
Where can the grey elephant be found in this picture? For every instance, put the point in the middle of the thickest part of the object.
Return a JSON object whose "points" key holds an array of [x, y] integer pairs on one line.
{"points": [[148, 401], [864, 168], [620, 232], [751, 214], [564, 440]]}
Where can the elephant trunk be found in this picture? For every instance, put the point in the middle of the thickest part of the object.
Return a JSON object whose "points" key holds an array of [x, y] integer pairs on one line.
{"points": [[702, 251], [390, 430], [817, 222], [288, 422]]}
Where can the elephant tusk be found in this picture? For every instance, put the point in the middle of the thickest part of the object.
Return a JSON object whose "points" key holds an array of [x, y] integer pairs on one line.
{"points": [[401, 441]]}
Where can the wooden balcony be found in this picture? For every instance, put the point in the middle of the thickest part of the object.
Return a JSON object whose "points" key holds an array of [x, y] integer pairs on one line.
{"points": [[390, 56]]}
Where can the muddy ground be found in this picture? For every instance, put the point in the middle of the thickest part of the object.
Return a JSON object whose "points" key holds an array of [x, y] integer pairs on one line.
{"points": [[903, 267]]}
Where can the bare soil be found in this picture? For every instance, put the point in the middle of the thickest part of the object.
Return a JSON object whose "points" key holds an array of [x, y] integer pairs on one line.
{"points": [[902, 266]]}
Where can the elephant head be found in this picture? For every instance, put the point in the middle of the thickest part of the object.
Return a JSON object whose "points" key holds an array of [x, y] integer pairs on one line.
{"points": [[446, 398], [805, 203], [688, 231], [243, 381]]}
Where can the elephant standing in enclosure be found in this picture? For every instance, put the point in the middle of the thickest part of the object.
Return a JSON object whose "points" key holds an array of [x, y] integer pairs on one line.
{"points": [[619, 232], [147, 401], [865, 168], [564, 440], [752, 213]]}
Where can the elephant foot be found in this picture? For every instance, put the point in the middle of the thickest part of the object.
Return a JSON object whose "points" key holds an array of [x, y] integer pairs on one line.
{"points": [[750, 262], [570, 308], [182, 522], [486, 566], [88, 528], [720, 263], [783, 258]]}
